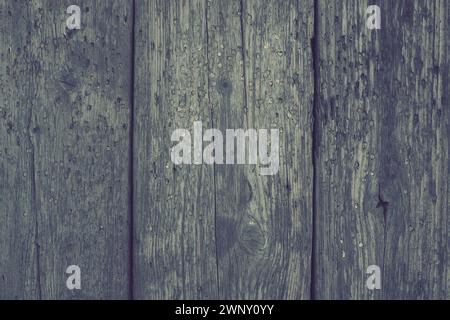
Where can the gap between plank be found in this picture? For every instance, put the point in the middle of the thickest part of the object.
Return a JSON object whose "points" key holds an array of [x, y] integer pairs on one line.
{"points": [[131, 159], [315, 142]]}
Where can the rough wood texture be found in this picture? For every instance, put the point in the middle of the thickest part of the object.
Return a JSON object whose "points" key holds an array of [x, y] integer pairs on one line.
{"points": [[86, 176], [223, 231], [383, 133], [64, 133], [174, 205], [261, 77]]}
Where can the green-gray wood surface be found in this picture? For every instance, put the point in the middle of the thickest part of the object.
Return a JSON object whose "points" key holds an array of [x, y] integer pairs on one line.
{"points": [[383, 136], [261, 76], [86, 177], [174, 235], [64, 139], [222, 231]]}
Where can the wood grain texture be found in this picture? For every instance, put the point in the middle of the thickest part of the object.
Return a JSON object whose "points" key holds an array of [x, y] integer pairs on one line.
{"points": [[175, 254], [222, 231], [261, 78], [86, 176], [383, 147], [64, 133]]}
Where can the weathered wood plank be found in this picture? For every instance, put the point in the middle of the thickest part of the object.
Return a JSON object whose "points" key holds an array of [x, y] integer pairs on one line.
{"points": [[260, 64], [185, 50], [174, 205], [384, 133], [64, 136]]}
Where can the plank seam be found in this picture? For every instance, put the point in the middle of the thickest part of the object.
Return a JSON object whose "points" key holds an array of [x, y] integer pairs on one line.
{"points": [[214, 165], [315, 142], [131, 159]]}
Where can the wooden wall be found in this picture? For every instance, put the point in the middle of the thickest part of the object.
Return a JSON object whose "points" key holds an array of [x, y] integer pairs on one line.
{"points": [[86, 177]]}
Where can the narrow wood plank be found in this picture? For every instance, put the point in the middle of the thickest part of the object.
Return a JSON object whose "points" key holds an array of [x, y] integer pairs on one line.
{"points": [[261, 77], [64, 136], [174, 204], [384, 148]]}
